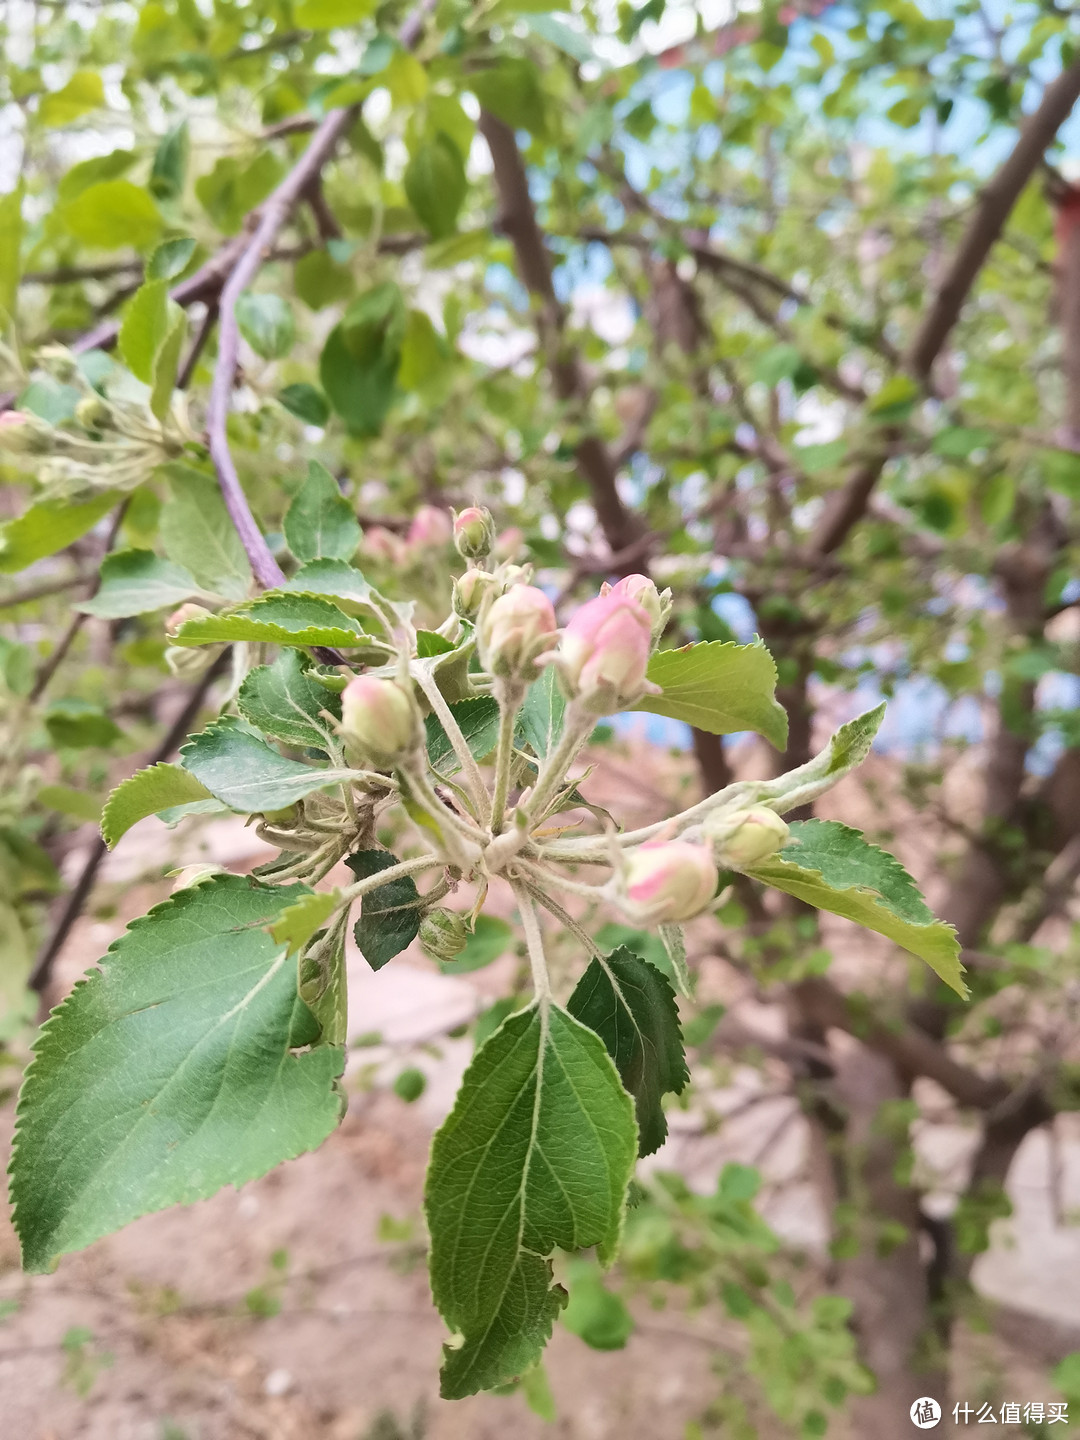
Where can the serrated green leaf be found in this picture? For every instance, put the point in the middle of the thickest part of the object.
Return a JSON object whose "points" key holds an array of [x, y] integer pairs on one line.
{"points": [[48, 527], [296, 925], [284, 701], [167, 361], [158, 787], [11, 228], [247, 774], [541, 717], [320, 524], [169, 1072], [389, 915], [82, 93], [112, 214], [169, 168], [478, 719], [146, 323], [435, 184], [594, 1313], [631, 1006], [306, 403], [718, 686], [328, 14], [329, 577], [266, 323], [79, 724], [836, 868], [134, 582], [536, 1153], [197, 533], [278, 618]]}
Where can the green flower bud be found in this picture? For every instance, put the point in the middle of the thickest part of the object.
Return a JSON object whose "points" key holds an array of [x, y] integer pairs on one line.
{"points": [[747, 837], [470, 592], [443, 934], [379, 720]]}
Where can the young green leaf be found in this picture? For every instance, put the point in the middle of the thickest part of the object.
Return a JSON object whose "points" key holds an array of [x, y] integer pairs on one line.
{"points": [[167, 361], [48, 527], [541, 718], [266, 323], [11, 227], [197, 533], [846, 750], [169, 169], [720, 687], [389, 915], [320, 524], [295, 926], [594, 1313], [306, 403], [324, 983], [146, 323], [79, 724], [835, 868], [536, 1153], [631, 1006], [330, 577], [169, 1072], [247, 774], [280, 618], [479, 722], [111, 215], [435, 184], [84, 92], [284, 701], [134, 582], [158, 787]]}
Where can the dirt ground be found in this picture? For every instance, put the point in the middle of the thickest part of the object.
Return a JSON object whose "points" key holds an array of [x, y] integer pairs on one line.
{"points": [[299, 1306]]}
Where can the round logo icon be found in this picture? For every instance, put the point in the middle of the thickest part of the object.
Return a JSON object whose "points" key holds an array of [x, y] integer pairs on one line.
{"points": [[925, 1413]]}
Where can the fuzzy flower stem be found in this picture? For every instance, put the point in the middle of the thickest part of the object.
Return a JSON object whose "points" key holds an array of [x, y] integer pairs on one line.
{"points": [[534, 942], [426, 681], [575, 728], [510, 693], [539, 874], [384, 877], [564, 918]]}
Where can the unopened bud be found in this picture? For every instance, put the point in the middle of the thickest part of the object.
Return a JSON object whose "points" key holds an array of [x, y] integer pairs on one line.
{"points": [[443, 934], [189, 876], [430, 529], [656, 604], [470, 591], [668, 880], [188, 662], [383, 544], [746, 838], [474, 532], [605, 653], [379, 720], [515, 630], [21, 434], [186, 612], [92, 413]]}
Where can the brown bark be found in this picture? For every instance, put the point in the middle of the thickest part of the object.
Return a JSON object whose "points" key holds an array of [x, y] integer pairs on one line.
{"points": [[517, 217]]}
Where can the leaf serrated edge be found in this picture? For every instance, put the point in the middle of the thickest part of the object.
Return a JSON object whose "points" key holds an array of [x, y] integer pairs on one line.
{"points": [[94, 976], [107, 834]]}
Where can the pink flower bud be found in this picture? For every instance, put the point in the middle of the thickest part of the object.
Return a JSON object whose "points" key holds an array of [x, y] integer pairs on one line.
{"points": [[742, 840], [642, 589], [379, 720], [515, 629], [605, 652], [383, 544], [430, 529], [474, 532], [668, 880], [20, 433], [188, 611]]}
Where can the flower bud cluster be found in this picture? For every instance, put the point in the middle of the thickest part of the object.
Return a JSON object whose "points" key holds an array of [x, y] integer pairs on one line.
{"points": [[604, 654]]}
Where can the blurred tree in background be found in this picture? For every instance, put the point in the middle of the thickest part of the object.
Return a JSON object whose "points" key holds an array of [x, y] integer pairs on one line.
{"points": [[783, 311]]}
